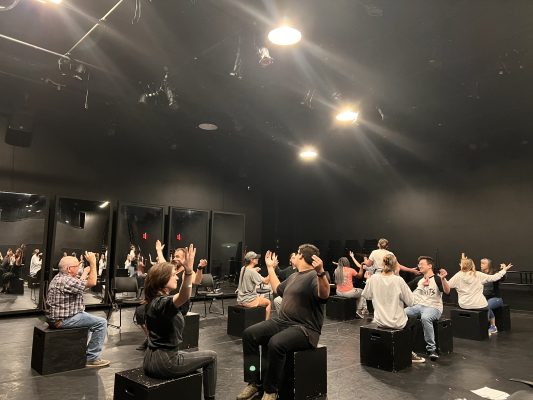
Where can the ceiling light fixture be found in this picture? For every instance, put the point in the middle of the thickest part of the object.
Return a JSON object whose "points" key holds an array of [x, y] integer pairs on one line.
{"points": [[347, 115], [308, 153], [284, 36], [50, 1], [104, 204], [208, 127]]}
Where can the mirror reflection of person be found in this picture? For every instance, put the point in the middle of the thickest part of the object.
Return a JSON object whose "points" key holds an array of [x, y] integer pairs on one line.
{"points": [[101, 264], [67, 310], [5, 270], [35, 263]]}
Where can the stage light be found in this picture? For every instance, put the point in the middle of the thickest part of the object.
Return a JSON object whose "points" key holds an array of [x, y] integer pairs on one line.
{"points": [[347, 115], [285, 36], [104, 204], [208, 127], [264, 57], [308, 153], [50, 1]]}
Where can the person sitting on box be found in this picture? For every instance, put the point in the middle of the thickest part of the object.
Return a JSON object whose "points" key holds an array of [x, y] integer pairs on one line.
{"points": [[65, 299], [296, 327], [344, 275], [469, 284], [389, 294], [249, 278], [165, 324], [428, 289], [491, 291]]}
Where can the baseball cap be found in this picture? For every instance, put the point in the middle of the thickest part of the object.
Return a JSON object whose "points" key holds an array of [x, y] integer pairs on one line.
{"points": [[251, 255]]}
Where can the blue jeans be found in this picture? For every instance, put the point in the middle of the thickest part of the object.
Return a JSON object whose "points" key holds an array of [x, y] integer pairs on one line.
{"points": [[97, 331], [427, 316], [494, 302]]}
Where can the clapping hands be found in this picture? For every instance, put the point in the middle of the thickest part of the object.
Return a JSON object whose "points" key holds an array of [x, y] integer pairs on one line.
{"points": [[271, 259]]}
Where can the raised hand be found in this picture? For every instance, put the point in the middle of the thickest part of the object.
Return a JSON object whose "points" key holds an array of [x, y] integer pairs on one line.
{"points": [[352, 254], [90, 257], [463, 256], [317, 263], [506, 267], [159, 246], [190, 253], [271, 259], [443, 273], [202, 264]]}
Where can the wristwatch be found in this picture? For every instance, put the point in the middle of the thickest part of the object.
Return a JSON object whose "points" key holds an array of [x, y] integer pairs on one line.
{"points": [[321, 274]]}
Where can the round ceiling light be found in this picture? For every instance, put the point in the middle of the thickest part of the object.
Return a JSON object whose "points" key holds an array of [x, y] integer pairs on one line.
{"points": [[308, 153], [347, 116], [284, 36], [208, 127]]}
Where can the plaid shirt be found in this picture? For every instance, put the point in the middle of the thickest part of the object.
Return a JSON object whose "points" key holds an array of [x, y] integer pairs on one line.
{"points": [[65, 296]]}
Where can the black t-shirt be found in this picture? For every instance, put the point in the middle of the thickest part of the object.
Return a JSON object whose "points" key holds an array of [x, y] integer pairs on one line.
{"points": [[492, 289], [301, 305], [165, 324]]}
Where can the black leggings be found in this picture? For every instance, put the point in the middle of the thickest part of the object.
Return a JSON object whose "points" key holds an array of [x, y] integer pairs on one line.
{"points": [[167, 364], [280, 340]]}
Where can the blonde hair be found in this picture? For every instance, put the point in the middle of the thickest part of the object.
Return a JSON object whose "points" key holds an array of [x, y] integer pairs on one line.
{"points": [[467, 265], [390, 263], [383, 243]]}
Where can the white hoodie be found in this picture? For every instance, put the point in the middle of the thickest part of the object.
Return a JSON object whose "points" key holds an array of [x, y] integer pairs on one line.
{"points": [[469, 287]]}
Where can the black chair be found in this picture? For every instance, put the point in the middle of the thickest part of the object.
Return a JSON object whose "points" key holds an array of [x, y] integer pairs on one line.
{"points": [[262, 290], [208, 291], [123, 285]]}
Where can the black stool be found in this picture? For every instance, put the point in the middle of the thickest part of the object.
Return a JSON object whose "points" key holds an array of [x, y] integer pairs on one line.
{"points": [[58, 350], [134, 384], [443, 336], [342, 308], [191, 331], [16, 286], [503, 318], [387, 349], [470, 324], [240, 318]]}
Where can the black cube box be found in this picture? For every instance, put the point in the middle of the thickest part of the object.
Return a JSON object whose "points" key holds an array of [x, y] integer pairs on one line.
{"points": [[342, 308], [470, 324], [191, 331], [240, 318], [387, 349], [443, 336], [16, 286], [503, 318], [305, 375], [134, 384], [58, 350]]}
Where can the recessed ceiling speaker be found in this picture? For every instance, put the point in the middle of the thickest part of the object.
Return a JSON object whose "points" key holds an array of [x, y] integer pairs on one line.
{"points": [[19, 131]]}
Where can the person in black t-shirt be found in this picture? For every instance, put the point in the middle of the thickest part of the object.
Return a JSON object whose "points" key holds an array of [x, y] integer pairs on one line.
{"points": [[165, 324], [491, 291], [297, 326]]}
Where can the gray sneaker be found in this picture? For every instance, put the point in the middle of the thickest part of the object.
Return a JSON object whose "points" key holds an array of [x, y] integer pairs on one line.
{"points": [[249, 392], [415, 358], [96, 363]]}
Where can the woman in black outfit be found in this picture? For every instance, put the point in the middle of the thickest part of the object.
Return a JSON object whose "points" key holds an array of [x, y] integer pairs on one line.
{"points": [[165, 326]]}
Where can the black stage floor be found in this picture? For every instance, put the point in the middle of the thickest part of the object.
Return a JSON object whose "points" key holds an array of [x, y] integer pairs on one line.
{"points": [[472, 366]]}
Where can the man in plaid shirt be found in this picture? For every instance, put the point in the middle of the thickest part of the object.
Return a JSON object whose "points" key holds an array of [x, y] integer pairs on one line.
{"points": [[65, 299]]}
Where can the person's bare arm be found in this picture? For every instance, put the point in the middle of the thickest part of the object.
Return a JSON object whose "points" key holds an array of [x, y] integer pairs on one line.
{"points": [[359, 265], [185, 291], [271, 261], [159, 249], [445, 286], [197, 276], [411, 270], [91, 276], [323, 283]]}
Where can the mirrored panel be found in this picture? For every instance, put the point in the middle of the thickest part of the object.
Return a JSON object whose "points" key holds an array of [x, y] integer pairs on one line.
{"points": [[227, 241], [23, 226], [138, 227], [188, 226], [80, 226]]}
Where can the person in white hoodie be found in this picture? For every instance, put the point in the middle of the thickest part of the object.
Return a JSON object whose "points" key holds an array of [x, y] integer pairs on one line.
{"points": [[469, 284], [390, 294]]}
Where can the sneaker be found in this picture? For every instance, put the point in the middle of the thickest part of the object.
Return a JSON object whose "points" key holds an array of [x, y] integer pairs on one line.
{"points": [[415, 358], [433, 356], [269, 396], [249, 392], [493, 329], [97, 363]]}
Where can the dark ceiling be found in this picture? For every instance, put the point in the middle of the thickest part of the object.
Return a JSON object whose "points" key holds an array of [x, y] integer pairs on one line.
{"points": [[444, 81]]}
